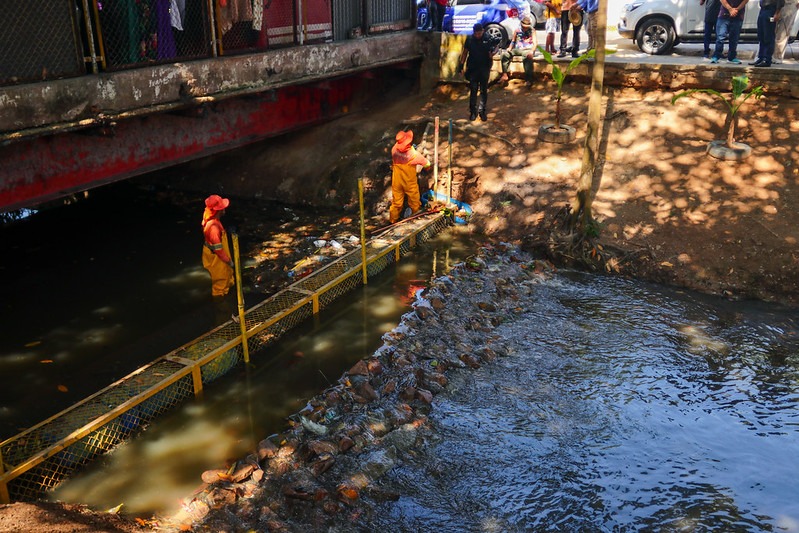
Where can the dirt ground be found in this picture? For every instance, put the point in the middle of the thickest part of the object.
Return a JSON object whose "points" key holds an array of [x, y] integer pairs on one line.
{"points": [[668, 212]]}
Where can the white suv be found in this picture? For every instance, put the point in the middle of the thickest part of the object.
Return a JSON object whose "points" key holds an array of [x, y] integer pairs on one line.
{"points": [[658, 25]]}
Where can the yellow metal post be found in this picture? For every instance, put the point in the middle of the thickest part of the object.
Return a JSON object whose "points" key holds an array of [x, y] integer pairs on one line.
{"points": [[242, 318], [4, 496], [363, 230], [435, 155], [449, 166]]}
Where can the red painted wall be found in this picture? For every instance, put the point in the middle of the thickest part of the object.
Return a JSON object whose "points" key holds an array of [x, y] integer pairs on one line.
{"points": [[49, 167]]}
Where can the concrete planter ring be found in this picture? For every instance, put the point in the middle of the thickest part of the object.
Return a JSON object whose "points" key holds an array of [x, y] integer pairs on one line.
{"points": [[562, 134], [736, 152]]}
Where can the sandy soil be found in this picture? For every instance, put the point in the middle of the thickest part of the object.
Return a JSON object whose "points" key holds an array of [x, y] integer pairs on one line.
{"points": [[668, 212]]}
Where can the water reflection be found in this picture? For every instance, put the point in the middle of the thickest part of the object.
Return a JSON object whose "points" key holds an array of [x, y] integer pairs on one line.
{"points": [[154, 472]]}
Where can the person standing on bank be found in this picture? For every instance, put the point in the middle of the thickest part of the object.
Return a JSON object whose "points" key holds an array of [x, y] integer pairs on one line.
{"points": [[711, 16], [437, 9], [590, 8], [770, 13], [728, 25], [477, 55], [569, 15], [216, 255], [524, 43], [404, 159], [784, 25]]}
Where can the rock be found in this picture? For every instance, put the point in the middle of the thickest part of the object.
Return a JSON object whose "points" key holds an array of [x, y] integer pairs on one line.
{"points": [[331, 507], [266, 449], [322, 447], [425, 313], [403, 437], [375, 367], [242, 472], [359, 369], [322, 465], [469, 360], [213, 476], [345, 443], [424, 396], [408, 394], [298, 492], [487, 306], [437, 303], [400, 414], [488, 355], [388, 388], [366, 391], [222, 496]]}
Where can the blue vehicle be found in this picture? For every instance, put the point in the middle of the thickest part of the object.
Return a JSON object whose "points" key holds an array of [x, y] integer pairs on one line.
{"points": [[500, 17]]}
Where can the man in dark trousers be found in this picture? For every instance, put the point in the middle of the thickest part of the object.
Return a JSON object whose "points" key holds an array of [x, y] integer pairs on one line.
{"points": [[711, 16], [728, 25], [770, 11], [477, 55]]}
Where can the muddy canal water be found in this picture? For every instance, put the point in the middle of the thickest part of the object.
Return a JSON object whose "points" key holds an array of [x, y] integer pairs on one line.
{"points": [[153, 473]]}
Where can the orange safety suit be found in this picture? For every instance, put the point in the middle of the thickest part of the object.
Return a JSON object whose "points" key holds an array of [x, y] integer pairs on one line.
{"points": [[403, 180], [216, 254]]}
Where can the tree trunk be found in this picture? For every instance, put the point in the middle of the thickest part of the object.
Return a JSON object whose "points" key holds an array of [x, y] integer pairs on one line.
{"points": [[588, 183], [557, 111], [731, 132]]}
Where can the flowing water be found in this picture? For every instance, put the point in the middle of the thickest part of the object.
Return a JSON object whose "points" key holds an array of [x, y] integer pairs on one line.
{"points": [[623, 407]]}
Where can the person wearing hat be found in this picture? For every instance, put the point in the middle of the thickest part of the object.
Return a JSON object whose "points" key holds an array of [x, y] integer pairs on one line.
{"points": [[216, 254], [477, 54], [570, 14], [524, 43], [404, 159]]}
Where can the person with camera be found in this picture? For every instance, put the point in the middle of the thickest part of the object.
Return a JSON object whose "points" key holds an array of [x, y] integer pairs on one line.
{"points": [[770, 11]]}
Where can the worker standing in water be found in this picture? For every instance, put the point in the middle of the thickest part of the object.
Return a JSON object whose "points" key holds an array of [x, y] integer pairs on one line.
{"points": [[216, 256], [404, 159]]}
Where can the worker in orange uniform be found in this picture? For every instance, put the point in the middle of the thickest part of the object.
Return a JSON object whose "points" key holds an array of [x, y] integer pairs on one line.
{"points": [[405, 158], [216, 255]]}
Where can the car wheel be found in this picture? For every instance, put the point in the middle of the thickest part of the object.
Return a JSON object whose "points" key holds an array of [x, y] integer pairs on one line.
{"points": [[498, 33], [656, 36]]}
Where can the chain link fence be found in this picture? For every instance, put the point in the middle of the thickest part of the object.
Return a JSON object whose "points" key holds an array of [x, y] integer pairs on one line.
{"points": [[41, 40], [51, 39], [132, 32]]}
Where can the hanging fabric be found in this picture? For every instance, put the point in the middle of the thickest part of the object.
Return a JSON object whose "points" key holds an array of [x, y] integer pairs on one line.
{"points": [[257, 14], [177, 13]]}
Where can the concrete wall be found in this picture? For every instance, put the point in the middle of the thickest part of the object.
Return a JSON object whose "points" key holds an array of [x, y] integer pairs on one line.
{"points": [[50, 107]]}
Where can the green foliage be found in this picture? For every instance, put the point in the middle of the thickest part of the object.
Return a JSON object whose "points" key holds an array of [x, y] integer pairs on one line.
{"points": [[559, 75], [593, 228], [732, 103]]}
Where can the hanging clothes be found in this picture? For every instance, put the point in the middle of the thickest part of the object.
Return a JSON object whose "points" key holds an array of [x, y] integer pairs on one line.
{"points": [[165, 40], [257, 14], [177, 13], [233, 11]]}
